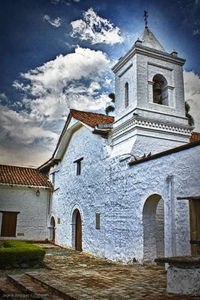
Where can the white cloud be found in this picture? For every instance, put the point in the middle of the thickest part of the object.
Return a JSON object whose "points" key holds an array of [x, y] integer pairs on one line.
{"points": [[22, 140], [3, 97], [54, 22], [96, 29], [52, 84], [20, 128], [55, 86], [69, 81], [192, 96], [53, 75], [196, 32]]}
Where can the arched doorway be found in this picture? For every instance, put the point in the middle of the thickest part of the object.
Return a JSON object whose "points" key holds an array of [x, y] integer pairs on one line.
{"points": [[153, 228], [52, 230], [77, 230]]}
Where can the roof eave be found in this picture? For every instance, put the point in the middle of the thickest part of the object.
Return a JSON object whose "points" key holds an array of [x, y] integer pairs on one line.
{"points": [[26, 186], [46, 166], [165, 153]]}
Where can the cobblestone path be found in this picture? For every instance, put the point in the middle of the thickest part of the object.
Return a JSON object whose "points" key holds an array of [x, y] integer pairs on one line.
{"points": [[83, 276]]}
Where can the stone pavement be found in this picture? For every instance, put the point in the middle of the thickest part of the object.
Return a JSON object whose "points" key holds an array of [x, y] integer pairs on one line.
{"points": [[79, 275]]}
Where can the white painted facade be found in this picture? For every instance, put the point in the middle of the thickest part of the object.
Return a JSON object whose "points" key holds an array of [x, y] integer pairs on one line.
{"points": [[140, 216], [120, 192], [33, 211], [133, 187], [85, 192]]}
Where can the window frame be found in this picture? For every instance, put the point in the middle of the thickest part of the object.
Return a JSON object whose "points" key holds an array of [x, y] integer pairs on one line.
{"points": [[78, 166], [126, 86], [98, 221]]}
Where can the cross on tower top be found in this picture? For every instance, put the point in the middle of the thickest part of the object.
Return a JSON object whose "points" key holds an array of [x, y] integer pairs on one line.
{"points": [[145, 18]]}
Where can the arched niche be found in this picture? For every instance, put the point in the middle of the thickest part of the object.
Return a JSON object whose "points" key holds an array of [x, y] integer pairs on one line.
{"points": [[153, 228]]}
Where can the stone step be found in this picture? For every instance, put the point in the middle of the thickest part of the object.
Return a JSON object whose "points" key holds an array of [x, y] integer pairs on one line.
{"points": [[9, 291], [30, 288], [50, 287]]}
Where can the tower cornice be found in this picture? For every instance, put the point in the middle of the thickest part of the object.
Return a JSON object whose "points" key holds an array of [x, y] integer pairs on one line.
{"points": [[149, 127], [154, 53]]}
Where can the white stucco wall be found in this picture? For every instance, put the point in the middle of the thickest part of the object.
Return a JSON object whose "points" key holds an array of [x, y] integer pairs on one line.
{"points": [[118, 192], [126, 74], [129, 187], [84, 192], [32, 220]]}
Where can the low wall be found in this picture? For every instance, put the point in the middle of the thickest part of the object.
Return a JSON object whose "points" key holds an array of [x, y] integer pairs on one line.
{"points": [[183, 275]]}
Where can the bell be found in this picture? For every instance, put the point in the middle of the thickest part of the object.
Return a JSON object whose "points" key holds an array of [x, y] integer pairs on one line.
{"points": [[157, 87]]}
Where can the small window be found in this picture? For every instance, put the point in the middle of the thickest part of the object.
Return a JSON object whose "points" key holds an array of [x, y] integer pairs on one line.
{"points": [[97, 221], [126, 94], [78, 165]]}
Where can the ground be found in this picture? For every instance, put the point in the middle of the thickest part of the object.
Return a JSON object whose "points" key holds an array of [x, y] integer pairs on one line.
{"points": [[83, 276]]}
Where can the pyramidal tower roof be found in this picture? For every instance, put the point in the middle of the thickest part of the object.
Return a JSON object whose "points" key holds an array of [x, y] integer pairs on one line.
{"points": [[149, 40]]}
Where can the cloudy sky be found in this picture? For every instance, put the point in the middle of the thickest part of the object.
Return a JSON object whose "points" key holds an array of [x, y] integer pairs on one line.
{"points": [[58, 54]]}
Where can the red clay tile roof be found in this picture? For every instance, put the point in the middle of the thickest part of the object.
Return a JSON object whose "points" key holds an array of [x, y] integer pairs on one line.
{"points": [[195, 137], [23, 176], [91, 119]]}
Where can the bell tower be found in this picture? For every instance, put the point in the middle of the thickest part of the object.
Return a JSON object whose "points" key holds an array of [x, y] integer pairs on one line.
{"points": [[149, 99]]}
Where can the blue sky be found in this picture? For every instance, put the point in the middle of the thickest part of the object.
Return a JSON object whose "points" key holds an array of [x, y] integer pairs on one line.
{"points": [[57, 54]]}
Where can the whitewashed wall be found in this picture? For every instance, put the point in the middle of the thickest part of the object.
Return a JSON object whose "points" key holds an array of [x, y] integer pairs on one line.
{"points": [[84, 192], [118, 192], [32, 220], [129, 187]]}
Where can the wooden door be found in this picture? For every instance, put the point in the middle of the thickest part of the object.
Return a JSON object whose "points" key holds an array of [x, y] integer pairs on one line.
{"points": [[195, 226], [78, 240], [9, 222]]}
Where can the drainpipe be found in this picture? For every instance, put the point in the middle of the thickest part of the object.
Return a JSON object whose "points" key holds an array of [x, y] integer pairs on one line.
{"points": [[172, 213]]}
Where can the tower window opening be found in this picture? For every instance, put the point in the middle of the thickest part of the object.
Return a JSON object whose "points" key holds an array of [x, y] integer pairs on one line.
{"points": [[126, 94], [160, 93]]}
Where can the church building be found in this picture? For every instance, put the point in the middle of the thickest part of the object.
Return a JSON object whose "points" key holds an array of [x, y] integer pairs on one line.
{"points": [[127, 188]]}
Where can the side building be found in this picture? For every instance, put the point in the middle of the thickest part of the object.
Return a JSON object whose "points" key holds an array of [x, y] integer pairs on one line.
{"points": [[25, 200]]}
